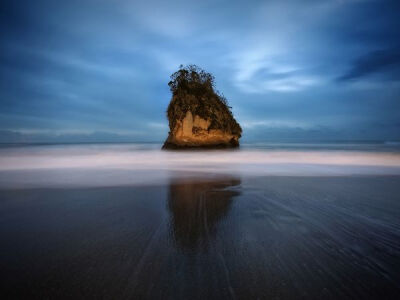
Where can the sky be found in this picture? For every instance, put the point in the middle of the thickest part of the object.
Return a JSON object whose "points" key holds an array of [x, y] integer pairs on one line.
{"points": [[96, 70]]}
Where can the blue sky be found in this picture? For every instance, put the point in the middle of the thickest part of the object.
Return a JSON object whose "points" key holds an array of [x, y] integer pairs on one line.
{"points": [[98, 70]]}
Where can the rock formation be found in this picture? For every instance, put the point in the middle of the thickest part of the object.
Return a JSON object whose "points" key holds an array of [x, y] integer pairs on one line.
{"points": [[199, 116]]}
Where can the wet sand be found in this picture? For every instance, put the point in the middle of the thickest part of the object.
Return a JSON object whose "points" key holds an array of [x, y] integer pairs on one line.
{"points": [[225, 237]]}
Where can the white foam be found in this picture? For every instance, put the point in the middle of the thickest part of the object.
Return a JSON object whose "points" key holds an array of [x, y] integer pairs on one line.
{"points": [[135, 164]]}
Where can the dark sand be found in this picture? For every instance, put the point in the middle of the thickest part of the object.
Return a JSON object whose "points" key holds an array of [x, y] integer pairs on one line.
{"points": [[231, 238]]}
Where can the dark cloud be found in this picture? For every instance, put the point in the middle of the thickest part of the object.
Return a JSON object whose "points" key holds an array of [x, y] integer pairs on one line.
{"points": [[384, 62]]}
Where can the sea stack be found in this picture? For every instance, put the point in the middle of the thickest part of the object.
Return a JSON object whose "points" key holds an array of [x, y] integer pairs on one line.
{"points": [[198, 115]]}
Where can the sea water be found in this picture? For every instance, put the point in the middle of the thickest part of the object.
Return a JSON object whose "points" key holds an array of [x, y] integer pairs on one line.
{"points": [[266, 221], [122, 164]]}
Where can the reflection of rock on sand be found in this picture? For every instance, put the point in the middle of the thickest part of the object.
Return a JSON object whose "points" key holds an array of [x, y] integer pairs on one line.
{"points": [[196, 208]]}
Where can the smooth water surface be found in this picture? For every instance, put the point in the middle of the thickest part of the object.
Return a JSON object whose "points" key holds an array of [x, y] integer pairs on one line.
{"points": [[105, 229]]}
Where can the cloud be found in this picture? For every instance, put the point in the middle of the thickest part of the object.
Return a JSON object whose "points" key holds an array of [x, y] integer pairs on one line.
{"points": [[263, 80], [11, 136], [289, 124], [380, 62], [266, 70], [103, 66]]}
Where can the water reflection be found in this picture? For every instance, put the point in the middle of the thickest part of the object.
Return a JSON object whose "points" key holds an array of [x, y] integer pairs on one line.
{"points": [[196, 208]]}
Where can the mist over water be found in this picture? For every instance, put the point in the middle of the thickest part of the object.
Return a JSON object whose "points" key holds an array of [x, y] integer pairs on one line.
{"points": [[129, 164]]}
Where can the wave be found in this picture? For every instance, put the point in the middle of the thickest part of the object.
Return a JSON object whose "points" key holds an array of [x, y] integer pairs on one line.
{"points": [[137, 164]]}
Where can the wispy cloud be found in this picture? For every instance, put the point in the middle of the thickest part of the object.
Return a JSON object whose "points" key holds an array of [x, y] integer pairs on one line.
{"points": [[257, 74], [253, 124]]}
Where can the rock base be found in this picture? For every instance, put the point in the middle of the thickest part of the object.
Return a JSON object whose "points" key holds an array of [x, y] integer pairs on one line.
{"points": [[194, 132], [172, 146]]}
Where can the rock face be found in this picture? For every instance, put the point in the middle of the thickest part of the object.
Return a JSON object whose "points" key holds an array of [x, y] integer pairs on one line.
{"points": [[198, 116], [194, 131]]}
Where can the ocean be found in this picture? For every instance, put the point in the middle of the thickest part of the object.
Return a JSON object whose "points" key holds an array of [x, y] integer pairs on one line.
{"points": [[266, 221]]}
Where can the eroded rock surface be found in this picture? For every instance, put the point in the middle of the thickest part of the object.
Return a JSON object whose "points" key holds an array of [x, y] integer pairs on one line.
{"points": [[198, 116]]}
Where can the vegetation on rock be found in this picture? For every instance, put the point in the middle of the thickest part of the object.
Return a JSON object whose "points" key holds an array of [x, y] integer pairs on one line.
{"points": [[193, 90]]}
